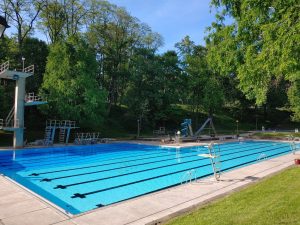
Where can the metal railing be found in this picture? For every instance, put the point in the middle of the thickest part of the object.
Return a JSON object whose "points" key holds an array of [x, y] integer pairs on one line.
{"points": [[29, 69], [61, 123], [4, 66], [188, 176], [9, 118], [87, 138], [31, 97], [262, 156]]}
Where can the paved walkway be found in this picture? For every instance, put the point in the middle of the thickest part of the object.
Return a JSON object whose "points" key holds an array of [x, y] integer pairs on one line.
{"points": [[20, 207]]}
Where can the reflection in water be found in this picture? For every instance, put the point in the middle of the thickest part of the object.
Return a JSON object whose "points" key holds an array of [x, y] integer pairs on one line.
{"points": [[178, 155]]}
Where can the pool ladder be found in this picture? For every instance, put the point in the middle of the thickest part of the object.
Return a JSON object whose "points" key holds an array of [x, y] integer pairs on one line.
{"points": [[214, 156], [293, 145], [188, 176]]}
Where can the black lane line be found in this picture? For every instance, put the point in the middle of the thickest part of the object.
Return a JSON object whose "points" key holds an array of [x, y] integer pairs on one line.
{"points": [[78, 195], [11, 165], [107, 149], [100, 171], [117, 168], [93, 159], [139, 171], [108, 160], [83, 149], [55, 160], [125, 174], [174, 185]]}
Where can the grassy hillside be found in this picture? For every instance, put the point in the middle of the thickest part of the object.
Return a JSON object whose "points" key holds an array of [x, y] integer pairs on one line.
{"points": [[121, 124]]}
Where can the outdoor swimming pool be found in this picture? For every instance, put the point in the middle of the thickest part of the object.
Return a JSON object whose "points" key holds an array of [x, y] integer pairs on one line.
{"points": [[83, 178]]}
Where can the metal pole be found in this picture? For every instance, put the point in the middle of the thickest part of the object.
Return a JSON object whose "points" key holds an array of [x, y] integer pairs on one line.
{"points": [[138, 128], [23, 59]]}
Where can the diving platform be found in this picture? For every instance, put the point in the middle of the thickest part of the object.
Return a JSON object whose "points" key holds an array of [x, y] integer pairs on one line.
{"points": [[15, 120], [31, 99], [6, 73], [64, 127]]}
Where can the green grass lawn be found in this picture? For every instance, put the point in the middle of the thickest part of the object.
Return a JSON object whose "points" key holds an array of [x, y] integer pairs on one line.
{"points": [[276, 134], [275, 200]]}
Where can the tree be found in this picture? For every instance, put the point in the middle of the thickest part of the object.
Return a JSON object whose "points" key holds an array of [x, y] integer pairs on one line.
{"points": [[260, 46], [203, 84], [22, 14], [52, 20], [69, 84], [154, 86], [116, 35]]}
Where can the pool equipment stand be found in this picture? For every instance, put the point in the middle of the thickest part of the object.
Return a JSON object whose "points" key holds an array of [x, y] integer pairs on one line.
{"points": [[17, 124], [214, 156]]}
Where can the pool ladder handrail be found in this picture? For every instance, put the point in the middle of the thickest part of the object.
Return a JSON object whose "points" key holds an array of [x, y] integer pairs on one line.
{"points": [[292, 143], [262, 156], [188, 176]]}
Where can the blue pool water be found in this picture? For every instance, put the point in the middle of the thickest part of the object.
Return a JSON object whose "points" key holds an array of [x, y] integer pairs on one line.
{"points": [[83, 178]]}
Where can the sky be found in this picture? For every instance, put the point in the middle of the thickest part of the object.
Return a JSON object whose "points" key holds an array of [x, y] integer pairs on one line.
{"points": [[173, 19]]}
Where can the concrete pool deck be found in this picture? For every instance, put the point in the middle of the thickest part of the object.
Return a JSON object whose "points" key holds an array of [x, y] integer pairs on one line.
{"points": [[18, 206]]}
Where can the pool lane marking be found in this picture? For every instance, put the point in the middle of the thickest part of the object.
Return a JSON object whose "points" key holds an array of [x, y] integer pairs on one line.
{"points": [[92, 157], [144, 170], [117, 168], [63, 157], [83, 148], [99, 165], [78, 195], [122, 175], [176, 184], [178, 164], [100, 171]]}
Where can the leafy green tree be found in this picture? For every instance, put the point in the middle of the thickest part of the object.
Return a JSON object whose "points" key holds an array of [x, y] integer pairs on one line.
{"points": [[204, 87], [35, 53], [52, 20], [260, 46], [22, 15], [69, 84], [116, 35], [154, 86]]}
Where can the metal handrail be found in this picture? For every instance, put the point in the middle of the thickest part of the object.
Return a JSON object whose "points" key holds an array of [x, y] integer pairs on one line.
{"points": [[30, 97], [10, 116], [4, 66], [29, 69]]}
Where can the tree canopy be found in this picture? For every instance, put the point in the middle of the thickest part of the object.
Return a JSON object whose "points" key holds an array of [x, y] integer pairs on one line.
{"points": [[259, 47]]}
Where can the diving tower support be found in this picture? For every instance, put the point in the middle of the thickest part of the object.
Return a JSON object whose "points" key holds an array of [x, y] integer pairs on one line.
{"points": [[17, 126]]}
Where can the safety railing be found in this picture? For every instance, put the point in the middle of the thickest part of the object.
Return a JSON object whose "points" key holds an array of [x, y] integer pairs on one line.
{"points": [[262, 156], [31, 97], [61, 123], [87, 138], [29, 69], [4, 66], [188, 176]]}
